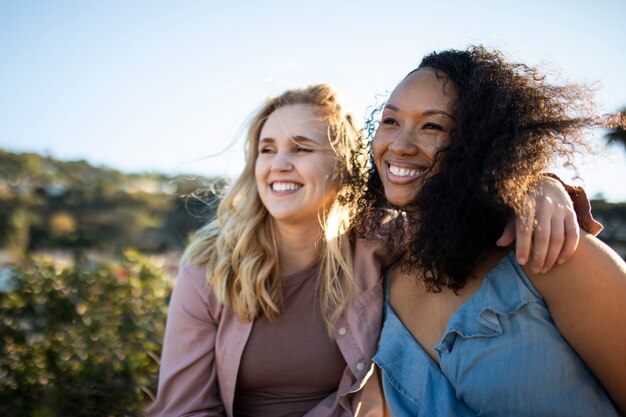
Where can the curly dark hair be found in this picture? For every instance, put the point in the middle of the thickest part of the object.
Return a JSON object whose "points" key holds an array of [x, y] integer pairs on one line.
{"points": [[510, 124]]}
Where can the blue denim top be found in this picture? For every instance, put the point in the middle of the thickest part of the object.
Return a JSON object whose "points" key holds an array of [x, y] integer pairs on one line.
{"points": [[501, 355]]}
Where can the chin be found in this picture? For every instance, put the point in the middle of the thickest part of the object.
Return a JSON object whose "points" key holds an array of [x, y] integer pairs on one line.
{"points": [[398, 202], [396, 195], [403, 197]]}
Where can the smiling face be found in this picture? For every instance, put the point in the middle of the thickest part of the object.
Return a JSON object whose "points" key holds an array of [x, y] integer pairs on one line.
{"points": [[295, 165], [416, 122]]}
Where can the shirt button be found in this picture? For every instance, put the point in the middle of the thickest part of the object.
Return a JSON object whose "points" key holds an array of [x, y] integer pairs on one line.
{"points": [[342, 331], [360, 366]]}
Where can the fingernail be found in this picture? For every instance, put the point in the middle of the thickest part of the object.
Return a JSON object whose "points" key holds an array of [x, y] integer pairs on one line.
{"points": [[536, 269], [498, 243], [521, 260]]}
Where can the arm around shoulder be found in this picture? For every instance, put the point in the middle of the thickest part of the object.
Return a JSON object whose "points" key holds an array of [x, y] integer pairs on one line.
{"points": [[586, 297], [187, 376]]}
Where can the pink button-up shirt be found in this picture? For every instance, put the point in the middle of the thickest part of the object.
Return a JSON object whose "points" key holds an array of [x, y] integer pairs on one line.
{"points": [[204, 342]]}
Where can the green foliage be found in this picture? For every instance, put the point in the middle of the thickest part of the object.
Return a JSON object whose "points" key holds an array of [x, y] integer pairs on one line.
{"points": [[48, 204], [83, 340]]}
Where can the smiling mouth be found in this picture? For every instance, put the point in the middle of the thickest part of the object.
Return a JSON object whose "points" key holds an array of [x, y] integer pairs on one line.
{"points": [[404, 172], [285, 186]]}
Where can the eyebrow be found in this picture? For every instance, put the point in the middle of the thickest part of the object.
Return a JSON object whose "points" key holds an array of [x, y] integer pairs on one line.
{"points": [[297, 139], [425, 113]]}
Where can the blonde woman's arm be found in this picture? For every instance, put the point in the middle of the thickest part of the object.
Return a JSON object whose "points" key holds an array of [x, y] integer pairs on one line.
{"points": [[549, 234], [187, 377]]}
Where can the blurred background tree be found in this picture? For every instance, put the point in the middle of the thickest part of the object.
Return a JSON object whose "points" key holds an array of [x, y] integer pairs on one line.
{"points": [[616, 135], [47, 204]]}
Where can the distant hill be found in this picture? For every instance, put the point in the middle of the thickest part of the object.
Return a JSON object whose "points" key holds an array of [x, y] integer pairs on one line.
{"points": [[47, 204], [50, 204]]}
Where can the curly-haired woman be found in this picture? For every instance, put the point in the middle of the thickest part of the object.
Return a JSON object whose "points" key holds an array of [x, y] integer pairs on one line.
{"points": [[467, 329]]}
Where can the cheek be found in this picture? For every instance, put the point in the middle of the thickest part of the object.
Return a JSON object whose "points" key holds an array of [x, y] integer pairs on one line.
{"points": [[325, 169], [259, 167], [377, 146], [440, 142], [259, 174]]}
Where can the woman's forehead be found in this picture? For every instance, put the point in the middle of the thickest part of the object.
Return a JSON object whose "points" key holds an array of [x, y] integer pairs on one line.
{"points": [[296, 120], [424, 88]]}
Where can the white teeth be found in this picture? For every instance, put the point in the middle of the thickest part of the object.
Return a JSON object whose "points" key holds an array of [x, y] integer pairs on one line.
{"points": [[401, 172], [285, 186]]}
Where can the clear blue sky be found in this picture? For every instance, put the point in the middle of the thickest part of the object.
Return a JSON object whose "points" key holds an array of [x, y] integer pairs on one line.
{"points": [[160, 86]]}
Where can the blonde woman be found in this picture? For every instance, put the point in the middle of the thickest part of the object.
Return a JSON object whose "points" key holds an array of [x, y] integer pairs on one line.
{"points": [[276, 310]]}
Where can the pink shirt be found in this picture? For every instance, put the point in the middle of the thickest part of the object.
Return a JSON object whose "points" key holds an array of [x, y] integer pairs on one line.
{"points": [[204, 343]]}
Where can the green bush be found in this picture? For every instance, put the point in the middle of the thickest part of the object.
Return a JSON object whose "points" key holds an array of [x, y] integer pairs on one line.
{"points": [[83, 340]]}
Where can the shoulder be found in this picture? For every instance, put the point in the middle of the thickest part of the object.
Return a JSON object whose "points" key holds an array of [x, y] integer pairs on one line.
{"points": [[592, 265], [194, 276], [588, 291], [374, 249], [371, 257], [593, 249], [368, 247], [192, 287]]}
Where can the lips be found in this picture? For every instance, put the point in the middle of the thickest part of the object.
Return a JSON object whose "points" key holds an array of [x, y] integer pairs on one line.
{"points": [[403, 174], [285, 186]]}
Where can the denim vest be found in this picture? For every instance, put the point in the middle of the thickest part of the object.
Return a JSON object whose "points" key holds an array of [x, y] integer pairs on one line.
{"points": [[501, 355]]}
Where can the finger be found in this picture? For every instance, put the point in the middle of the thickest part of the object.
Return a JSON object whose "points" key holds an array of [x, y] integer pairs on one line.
{"points": [[540, 242], [508, 234], [572, 237], [557, 238], [523, 236]]}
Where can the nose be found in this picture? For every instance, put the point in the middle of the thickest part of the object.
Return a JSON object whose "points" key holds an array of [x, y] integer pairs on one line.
{"points": [[281, 162], [404, 144]]}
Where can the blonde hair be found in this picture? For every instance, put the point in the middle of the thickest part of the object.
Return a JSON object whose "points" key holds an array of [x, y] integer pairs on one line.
{"points": [[240, 247]]}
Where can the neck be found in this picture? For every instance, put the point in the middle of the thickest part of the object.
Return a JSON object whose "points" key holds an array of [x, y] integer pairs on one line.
{"points": [[298, 245]]}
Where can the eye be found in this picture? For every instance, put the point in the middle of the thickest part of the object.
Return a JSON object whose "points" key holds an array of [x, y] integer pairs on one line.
{"points": [[300, 149], [432, 126], [389, 121], [266, 149]]}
